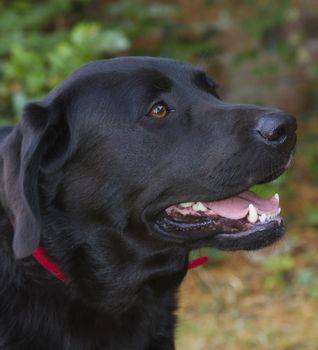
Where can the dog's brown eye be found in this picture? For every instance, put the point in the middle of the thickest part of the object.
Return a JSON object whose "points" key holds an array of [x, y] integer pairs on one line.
{"points": [[159, 110]]}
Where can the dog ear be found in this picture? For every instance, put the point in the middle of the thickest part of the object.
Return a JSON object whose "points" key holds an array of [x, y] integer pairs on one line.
{"points": [[38, 143]]}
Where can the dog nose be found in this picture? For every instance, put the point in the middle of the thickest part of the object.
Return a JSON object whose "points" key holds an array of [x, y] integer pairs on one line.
{"points": [[276, 128]]}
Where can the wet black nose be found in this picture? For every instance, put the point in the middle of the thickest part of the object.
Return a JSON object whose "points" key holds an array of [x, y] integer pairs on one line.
{"points": [[277, 128]]}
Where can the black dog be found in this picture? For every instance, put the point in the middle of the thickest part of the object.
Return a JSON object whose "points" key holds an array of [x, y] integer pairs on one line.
{"points": [[100, 174]]}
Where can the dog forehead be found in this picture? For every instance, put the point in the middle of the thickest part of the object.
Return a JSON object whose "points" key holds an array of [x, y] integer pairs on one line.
{"points": [[139, 72], [135, 69], [134, 64]]}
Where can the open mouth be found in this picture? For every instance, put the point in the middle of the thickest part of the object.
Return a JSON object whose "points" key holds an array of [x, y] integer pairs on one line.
{"points": [[244, 221]]}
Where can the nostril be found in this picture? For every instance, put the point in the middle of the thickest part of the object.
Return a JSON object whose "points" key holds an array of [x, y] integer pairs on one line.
{"points": [[275, 127], [278, 135]]}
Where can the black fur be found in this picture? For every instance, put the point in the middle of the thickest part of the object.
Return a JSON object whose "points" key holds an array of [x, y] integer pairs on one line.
{"points": [[85, 173]]}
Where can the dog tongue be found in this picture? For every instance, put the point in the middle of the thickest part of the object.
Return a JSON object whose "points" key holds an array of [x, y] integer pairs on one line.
{"points": [[237, 207]]}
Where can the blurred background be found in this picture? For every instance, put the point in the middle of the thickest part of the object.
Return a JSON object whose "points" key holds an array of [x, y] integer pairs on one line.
{"points": [[260, 51]]}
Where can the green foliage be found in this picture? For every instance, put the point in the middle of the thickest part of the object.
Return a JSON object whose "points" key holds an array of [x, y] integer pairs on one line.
{"points": [[307, 280], [270, 46], [271, 188], [32, 68], [277, 268], [267, 15], [279, 185], [309, 147], [282, 275], [142, 11], [311, 215], [279, 264], [161, 25], [35, 58], [44, 41]]}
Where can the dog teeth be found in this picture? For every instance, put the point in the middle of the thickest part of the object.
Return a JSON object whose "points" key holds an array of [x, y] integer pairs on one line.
{"points": [[268, 217], [199, 207], [263, 218], [289, 161], [252, 214], [186, 205]]}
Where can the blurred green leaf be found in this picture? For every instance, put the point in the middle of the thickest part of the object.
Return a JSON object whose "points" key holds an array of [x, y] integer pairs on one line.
{"points": [[307, 279], [311, 215], [279, 263], [269, 189], [19, 100]]}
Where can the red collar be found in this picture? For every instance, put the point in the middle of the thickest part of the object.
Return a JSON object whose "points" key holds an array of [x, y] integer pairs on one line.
{"points": [[197, 262], [41, 256]]}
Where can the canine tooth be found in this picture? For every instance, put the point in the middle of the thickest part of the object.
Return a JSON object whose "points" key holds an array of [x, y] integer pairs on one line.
{"points": [[263, 218], [252, 214], [186, 205], [199, 207], [278, 211], [277, 197], [289, 161]]}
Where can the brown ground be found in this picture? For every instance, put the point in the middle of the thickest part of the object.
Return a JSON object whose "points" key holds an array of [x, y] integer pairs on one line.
{"points": [[226, 307]]}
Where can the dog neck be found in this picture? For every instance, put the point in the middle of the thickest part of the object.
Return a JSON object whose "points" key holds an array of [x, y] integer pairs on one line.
{"points": [[41, 256]]}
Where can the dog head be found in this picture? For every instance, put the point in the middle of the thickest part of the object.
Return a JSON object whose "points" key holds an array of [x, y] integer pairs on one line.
{"points": [[132, 162]]}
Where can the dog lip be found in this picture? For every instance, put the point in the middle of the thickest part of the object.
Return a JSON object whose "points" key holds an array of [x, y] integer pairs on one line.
{"points": [[251, 239], [258, 236]]}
